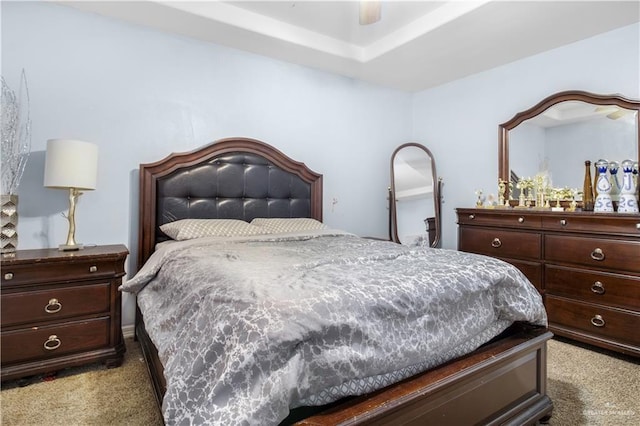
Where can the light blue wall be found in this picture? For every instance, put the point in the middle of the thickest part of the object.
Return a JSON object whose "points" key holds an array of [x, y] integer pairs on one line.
{"points": [[141, 94], [459, 121]]}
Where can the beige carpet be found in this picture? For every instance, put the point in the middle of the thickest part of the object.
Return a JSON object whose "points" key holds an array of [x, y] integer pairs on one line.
{"points": [[587, 387], [91, 395], [592, 387]]}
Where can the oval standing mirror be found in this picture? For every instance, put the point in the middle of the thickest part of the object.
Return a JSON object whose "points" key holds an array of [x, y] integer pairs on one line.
{"points": [[414, 196], [558, 135]]}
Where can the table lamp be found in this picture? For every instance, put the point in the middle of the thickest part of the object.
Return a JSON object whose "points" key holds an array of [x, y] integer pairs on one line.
{"points": [[73, 165]]}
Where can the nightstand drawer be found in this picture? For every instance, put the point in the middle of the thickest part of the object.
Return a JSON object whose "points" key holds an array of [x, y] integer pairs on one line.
{"points": [[55, 303], [594, 252], [595, 287], [500, 243], [51, 272], [55, 340], [621, 325]]}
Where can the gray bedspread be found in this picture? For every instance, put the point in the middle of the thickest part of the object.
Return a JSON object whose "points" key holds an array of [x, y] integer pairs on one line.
{"points": [[249, 327]]}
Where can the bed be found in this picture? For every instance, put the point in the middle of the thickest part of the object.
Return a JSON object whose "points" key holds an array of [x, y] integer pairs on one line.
{"points": [[500, 380]]}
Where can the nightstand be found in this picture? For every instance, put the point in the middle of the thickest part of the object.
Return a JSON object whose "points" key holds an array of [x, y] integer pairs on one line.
{"points": [[61, 309]]}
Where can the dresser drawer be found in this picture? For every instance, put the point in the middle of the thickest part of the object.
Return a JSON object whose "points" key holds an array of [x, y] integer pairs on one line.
{"points": [[615, 324], [500, 243], [604, 253], [32, 343], [54, 303], [595, 287], [595, 223], [532, 270], [51, 272], [495, 218]]}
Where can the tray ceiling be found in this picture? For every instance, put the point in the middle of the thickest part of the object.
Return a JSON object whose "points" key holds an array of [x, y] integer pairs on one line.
{"points": [[416, 45]]}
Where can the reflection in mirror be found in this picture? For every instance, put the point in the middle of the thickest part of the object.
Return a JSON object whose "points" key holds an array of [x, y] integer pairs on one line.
{"points": [[414, 196], [546, 143], [554, 138]]}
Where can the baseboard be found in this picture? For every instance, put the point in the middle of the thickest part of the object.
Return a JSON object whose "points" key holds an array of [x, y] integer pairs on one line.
{"points": [[128, 331]]}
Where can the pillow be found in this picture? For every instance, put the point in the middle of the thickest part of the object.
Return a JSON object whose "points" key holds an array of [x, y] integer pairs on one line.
{"points": [[187, 229], [284, 225]]}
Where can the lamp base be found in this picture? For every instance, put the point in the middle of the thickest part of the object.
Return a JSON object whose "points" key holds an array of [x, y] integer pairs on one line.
{"points": [[66, 247]]}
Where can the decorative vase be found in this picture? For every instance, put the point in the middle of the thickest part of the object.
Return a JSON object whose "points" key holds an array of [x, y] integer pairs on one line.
{"points": [[628, 202], [636, 170], [587, 188], [595, 180], [603, 203], [9, 219], [614, 166]]}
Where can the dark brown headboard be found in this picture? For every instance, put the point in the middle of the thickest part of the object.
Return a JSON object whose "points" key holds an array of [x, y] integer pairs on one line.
{"points": [[235, 178]]}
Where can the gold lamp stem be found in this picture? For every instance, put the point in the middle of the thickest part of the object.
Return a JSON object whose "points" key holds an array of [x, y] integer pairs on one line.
{"points": [[71, 244]]}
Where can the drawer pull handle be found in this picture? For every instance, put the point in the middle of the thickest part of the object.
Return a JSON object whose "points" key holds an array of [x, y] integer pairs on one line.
{"points": [[597, 288], [597, 321], [93, 268], [473, 216], [8, 276], [496, 243], [521, 220], [563, 222], [53, 306], [52, 343], [597, 254]]}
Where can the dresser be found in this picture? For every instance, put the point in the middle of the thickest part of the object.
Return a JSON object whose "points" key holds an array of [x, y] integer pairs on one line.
{"points": [[586, 266], [61, 309]]}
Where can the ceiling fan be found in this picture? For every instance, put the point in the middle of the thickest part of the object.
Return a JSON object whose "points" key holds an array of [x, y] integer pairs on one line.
{"points": [[370, 11], [613, 112]]}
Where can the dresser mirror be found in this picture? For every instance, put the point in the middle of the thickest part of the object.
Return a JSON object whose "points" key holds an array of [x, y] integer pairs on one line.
{"points": [[555, 138], [414, 196]]}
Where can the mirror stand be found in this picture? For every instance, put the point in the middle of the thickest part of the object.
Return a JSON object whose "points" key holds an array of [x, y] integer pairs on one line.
{"points": [[414, 192]]}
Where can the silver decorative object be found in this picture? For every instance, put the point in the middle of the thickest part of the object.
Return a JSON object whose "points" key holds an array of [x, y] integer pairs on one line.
{"points": [[16, 146], [9, 219]]}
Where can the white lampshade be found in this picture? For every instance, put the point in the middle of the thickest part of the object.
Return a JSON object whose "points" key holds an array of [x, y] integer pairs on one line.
{"points": [[71, 164]]}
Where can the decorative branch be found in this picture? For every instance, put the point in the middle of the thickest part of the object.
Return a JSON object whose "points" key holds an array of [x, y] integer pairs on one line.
{"points": [[16, 135]]}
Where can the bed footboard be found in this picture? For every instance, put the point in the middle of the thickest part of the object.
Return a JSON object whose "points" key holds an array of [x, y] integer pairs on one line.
{"points": [[501, 383]]}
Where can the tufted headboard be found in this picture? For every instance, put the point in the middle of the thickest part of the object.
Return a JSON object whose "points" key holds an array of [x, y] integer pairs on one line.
{"points": [[235, 178]]}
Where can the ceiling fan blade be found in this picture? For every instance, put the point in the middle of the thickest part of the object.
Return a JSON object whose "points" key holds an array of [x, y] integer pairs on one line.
{"points": [[617, 114], [370, 12], [605, 108], [611, 111]]}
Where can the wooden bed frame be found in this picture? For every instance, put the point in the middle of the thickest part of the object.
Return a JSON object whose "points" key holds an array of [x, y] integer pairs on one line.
{"points": [[503, 382]]}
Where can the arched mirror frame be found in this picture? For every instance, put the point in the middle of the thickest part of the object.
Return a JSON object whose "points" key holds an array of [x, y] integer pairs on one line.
{"points": [[437, 184], [571, 95]]}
